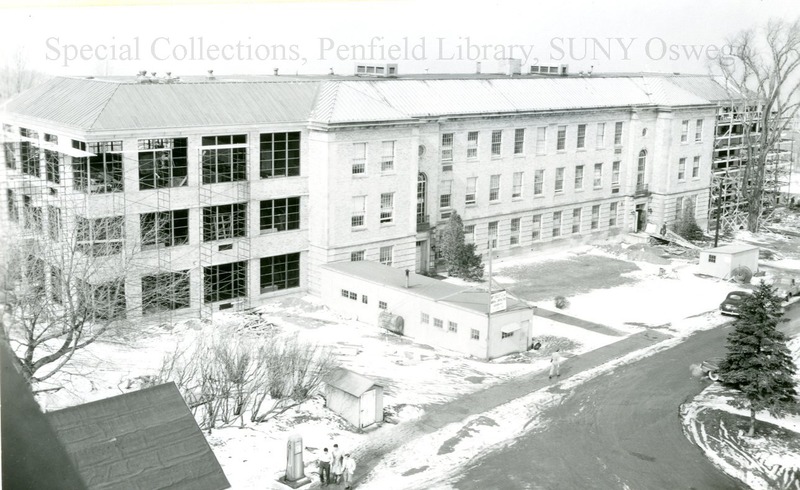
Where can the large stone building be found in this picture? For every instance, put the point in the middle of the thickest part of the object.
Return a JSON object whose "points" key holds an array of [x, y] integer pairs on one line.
{"points": [[238, 190]]}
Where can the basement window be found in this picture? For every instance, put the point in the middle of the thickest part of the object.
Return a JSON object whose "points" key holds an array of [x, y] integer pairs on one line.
{"points": [[162, 163]]}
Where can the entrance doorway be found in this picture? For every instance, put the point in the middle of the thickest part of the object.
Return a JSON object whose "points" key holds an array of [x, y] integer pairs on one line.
{"points": [[641, 218], [422, 256]]}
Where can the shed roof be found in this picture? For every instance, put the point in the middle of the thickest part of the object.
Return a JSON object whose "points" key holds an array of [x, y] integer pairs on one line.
{"points": [[732, 249], [145, 440], [349, 382]]}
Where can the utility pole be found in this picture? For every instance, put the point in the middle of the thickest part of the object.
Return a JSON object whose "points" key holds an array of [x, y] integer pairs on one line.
{"points": [[489, 316], [719, 214]]}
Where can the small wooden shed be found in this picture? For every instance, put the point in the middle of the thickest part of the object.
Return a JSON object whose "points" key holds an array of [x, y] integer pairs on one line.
{"points": [[722, 261], [355, 397]]}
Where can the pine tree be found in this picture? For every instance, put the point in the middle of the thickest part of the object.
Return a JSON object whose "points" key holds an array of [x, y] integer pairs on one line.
{"points": [[460, 257], [758, 362]]}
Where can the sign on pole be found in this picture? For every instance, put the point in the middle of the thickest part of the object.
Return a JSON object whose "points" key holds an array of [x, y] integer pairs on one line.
{"points": [[498, 301]]}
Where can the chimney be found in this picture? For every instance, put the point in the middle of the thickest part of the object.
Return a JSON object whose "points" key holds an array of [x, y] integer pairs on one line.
{"points": [[330, 71], [477, 67], [210, 75], [275, 71], [407, 274]]}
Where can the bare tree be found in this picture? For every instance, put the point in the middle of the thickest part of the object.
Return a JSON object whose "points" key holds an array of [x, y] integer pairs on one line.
{"points": [[15, 76], [762, 73]]}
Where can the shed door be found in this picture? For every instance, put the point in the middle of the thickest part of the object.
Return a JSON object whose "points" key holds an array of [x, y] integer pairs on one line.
{"points": [[368, 408]]}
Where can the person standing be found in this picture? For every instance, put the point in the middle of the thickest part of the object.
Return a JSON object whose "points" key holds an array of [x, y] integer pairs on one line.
{"points": [[349, 467], [555, 364], [337, 467], [324, 467]]}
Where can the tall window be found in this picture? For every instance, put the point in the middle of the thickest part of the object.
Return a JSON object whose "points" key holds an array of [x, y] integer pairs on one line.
{"points": [[279, 154], [469, 233], [615, 174], [359, 211], [10, 154], [280, 272], [576, 220], [601, 135], [561, 140], [538, 182], [280, 214], [494, 188], [472, 190], [101, 173], [12, 206], [359, 164], [56, 285], [557, 224], [595, 216], [472, 145], [579, 177], [612, 214], [223, 222], [54, 222], [224, 158], [541, 140], [422, 190], [696, 167], [358, 255], [581, 142], [224, 282], [100, 236], [515, 226], [493, 233], [698, 130], [497, 143], [52, 160], [597, 181], [387, 255], [387, 156], [536, 233], [165, 228], [29, 152], [516, 189], [164, 292], [445, 194], [162, 163], [447, 147], [640, 168], [559, 179], [684, 131], [387, 207], [618, 133], [682, 169], [519, 141]]}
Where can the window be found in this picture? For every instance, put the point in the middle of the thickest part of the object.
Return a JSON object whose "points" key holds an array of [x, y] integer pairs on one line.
{"points": [[472, 145], [281, 272], [387, 207], [541, 140], [29, 152], [595, 216], [445, 194], [581, 143], [166, 228], [101, 236], [438, 323], [52, 160], [353, 296], [223, 222], [597, 181], [696, 167], [164, 292], [452, 327], [279, 155], [54, 222], [359, 211], [698, 130], [640, 169], [224, 158], [382, 305], [359, 164], [515, 222], [422, 189], [36, 219], [684, 131], [519, 141], [13, 209], [615, 174], [493, 234], [561, 140], [105, 301], [618, 133], [538, 182], [56, 285], [494, 188], [357, 256], [579, 177], [101, 173], [712, 258], [447, 147], [224, 282], [536, 233], [601, 135], [560, 179], [557, 223], [497, 143], [474, 334], [612, 214], [576, 220], [469, 234], [162, 163], [10, 154], [472, 190], [345, 293], [424, 318], [364, 299], [280, 215], [682, 169], [387, 255], [387, 156], [505, 335], [516, 188]]}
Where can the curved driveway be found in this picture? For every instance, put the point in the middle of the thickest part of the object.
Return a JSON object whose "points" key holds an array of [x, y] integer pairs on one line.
{"points": [[621, 430]]}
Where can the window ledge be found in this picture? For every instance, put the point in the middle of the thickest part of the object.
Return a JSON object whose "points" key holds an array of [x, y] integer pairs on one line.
{"points": [[538, 196], [519, 155], [518, 198], [358, 228], [580, 150], [495, 202], [359, 176], [470, 204]]}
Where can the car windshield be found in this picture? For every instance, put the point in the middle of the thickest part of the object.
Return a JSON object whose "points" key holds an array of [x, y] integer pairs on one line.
{"points": [[736, 296]]}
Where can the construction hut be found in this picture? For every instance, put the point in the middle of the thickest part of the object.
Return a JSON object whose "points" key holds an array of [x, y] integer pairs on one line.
{"points": [[355, 397], [729, 262], [143, 439]]}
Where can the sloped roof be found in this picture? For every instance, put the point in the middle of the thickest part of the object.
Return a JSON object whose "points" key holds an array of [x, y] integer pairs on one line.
{"points": [[145, 440], [349, 381], [732, 249]]}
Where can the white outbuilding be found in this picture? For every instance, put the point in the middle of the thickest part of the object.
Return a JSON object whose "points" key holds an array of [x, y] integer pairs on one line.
{"points": [[355, 397], [728, 261]]}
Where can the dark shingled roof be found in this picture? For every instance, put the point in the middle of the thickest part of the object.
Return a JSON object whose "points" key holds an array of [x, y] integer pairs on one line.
{"points": [[349, 382]]}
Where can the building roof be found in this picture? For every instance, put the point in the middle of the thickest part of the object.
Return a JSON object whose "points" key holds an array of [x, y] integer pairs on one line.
{"points": [[349, 382], [123, 104], [146, 439], [732, 249], [426, 287]]}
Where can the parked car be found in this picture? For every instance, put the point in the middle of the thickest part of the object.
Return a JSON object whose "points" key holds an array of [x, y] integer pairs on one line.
{"points": [[730, 306], [710, 368], [786, 287]]}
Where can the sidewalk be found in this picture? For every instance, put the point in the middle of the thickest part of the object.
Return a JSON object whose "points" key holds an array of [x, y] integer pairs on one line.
{"points": [[578, 322], [440, 415]]}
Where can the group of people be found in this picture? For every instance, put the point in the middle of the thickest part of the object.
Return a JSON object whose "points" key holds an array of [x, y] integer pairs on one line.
{"points": [[337, 467]]}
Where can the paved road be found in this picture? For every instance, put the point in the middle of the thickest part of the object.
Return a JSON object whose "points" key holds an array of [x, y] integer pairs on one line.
{"points": [[620, 430]]}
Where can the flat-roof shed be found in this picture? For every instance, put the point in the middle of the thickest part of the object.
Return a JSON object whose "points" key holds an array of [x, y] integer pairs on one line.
{"points": [[723, 261]]}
